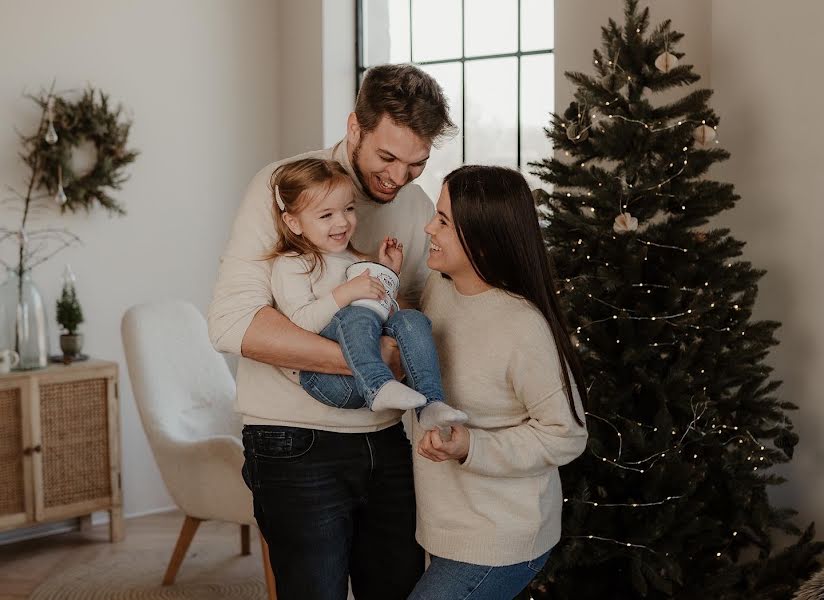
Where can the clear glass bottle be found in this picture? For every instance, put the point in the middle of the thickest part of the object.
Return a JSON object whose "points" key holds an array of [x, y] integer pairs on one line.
{"points": [[23, 321]]}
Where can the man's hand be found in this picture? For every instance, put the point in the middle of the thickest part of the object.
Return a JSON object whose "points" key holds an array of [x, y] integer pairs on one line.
{"points": [[435, 449], [390, 254], [391, 355]]}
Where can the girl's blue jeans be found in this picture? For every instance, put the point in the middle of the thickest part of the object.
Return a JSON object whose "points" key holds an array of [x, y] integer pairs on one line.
{"points": [[358, 331], [453, 580]]}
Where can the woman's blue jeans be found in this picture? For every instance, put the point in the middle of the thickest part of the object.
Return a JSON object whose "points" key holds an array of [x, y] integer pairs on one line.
{"points": [[358, 331], [453, 580]]}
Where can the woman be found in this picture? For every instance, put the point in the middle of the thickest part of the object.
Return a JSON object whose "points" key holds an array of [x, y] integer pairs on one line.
{"points": [[489, 499]]}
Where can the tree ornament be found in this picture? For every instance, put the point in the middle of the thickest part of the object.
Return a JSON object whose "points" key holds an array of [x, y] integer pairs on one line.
{"points": [[576, 132], [624, 223], [666, 62], [704, 135]]}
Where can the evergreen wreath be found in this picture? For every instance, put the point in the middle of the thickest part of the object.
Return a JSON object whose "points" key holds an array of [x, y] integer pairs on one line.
{"points": [[88, 119]]}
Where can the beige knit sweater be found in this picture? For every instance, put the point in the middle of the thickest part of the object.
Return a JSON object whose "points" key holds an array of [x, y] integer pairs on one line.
{"points": [[267, 395], [500, 366]]}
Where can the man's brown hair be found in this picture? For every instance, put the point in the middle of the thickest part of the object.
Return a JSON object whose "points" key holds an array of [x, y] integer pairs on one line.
{"points": [[409, 97]]}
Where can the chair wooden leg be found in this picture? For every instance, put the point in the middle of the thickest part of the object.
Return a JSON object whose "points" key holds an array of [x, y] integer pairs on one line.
{"points": [[267, 570], [244, 540], [187, 532]]}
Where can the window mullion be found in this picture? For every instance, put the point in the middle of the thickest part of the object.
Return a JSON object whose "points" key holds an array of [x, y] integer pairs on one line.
{"points": [[463, 82], [411, 56], [518, 101]]}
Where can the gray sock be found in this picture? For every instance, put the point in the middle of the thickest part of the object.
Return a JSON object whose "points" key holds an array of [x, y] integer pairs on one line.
{"points": [[395, 395]]}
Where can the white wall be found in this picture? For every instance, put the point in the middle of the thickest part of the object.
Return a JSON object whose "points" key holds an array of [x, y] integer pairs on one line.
{"points": [[765, 70], [317, 72], [200, 79], [339, 66], [300, 46]]}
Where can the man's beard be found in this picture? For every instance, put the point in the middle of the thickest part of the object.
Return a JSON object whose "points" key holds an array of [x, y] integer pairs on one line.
{"points": [[362, 178]]}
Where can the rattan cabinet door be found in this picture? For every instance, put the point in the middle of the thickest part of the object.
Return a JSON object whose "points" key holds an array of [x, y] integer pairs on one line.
{"points": [[75, 457], [16, 504]]}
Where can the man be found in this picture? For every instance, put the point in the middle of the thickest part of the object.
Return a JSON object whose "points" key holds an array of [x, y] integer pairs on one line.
{"points": [[333, 492]]}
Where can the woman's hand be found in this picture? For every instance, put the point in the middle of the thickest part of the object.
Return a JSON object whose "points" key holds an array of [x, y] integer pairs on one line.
{"points": [[435, 449], [390, 254], [362, 287]]}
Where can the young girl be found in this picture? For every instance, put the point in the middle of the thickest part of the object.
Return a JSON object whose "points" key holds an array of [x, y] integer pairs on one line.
{"points": [[489, 500], [314, 209]]}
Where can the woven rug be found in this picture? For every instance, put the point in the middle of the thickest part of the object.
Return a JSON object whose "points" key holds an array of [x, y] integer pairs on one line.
{"points": [[136, 574]]}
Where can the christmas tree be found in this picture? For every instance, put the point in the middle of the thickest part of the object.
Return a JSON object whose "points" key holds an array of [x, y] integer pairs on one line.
{"points": [[670, 498]]}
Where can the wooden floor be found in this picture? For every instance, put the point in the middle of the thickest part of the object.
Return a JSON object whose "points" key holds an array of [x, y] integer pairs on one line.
{"points": [[25, 565]]}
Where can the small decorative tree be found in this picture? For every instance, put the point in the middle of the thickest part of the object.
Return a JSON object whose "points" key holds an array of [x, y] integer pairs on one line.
{"points": [[69, 316]]}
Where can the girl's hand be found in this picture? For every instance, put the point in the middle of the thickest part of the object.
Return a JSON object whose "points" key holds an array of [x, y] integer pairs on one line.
{"points": [[390, 254], [362, 287], [435, 449]]}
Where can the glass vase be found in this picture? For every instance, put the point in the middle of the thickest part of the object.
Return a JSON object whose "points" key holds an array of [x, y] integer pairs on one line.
{"points": [[23, 321]]}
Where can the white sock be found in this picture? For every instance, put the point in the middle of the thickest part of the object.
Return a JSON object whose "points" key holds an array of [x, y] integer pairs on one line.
{"points": [[442, 416], [394, 394]]}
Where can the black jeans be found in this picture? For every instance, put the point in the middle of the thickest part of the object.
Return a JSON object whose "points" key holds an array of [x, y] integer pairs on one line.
{"points": [[335, 505]]}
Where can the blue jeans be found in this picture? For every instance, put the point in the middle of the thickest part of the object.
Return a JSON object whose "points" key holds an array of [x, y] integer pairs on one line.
{"points": [[452, 580], [358, 331], [333, 506]]}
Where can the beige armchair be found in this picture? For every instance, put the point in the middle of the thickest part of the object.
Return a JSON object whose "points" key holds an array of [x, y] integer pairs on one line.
{"points": [[185, 394]]}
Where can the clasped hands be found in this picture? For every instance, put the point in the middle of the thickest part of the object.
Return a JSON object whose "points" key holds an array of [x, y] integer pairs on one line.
{"points": [[431, 445]]}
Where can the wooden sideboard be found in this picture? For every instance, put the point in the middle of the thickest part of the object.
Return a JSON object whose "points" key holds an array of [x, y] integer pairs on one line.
{"points": [[60, 445]]}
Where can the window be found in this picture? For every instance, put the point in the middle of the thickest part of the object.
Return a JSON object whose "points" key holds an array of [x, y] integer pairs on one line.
{"points": [[494, 60]]}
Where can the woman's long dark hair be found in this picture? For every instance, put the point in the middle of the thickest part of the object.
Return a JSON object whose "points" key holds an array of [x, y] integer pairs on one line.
{"points": [[494, 215]]}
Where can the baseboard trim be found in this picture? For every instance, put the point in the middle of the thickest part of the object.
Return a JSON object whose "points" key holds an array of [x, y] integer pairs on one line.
{"points": [[153, 511], [57, 527]]}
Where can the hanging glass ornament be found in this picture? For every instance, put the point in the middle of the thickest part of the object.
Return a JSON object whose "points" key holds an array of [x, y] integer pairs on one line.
{"points": [[60, 197], [51, 134]]}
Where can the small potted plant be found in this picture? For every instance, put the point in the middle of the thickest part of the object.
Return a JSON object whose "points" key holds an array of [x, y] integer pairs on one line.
{"points": [[69, 316]]}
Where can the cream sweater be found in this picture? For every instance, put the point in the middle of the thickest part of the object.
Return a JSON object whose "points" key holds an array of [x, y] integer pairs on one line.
{"points": [[306, 297], [500, 366], [265, 394]]}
